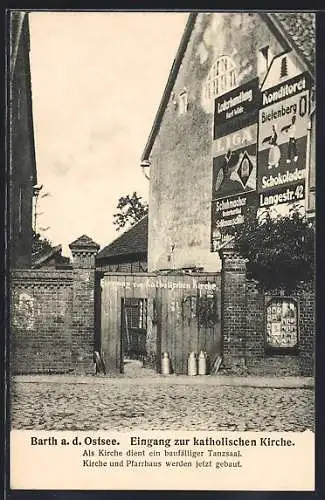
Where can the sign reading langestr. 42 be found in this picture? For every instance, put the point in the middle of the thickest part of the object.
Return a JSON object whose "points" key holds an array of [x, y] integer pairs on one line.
{"points": [[282, 141]]}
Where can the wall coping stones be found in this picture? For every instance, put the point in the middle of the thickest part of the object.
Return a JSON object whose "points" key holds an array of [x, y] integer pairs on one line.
{"points": [[42, 276]]}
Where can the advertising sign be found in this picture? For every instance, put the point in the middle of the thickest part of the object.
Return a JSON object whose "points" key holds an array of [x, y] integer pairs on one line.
{"points": [[234, 172], [236, 109], [281, 323], [228, 212], [282, 142]]}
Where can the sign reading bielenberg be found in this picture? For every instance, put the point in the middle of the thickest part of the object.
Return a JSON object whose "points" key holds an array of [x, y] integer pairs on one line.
{"points": [[282, 142]]}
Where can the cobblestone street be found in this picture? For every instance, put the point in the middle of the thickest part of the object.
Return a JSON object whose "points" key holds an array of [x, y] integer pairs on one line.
{"points": [[149, 403]]}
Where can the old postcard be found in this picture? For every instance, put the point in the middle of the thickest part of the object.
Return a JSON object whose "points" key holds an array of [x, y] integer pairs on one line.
{"points": [[161, 246]]}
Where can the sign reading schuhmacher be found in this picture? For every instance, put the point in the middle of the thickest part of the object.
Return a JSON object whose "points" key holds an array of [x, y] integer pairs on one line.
{"points": [[234, 152], [282, 142]]}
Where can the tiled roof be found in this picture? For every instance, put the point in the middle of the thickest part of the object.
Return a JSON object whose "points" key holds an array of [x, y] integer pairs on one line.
{"points": [[133, 241], [83, 241], [40, 259], [300, 29]]}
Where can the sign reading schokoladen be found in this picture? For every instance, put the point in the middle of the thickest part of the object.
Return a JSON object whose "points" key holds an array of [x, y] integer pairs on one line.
{"points": [[282, 142], [234, 152]]}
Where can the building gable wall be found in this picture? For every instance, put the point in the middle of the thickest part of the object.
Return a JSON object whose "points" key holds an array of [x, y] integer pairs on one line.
{"points": [[22, 161], [181, 160]]}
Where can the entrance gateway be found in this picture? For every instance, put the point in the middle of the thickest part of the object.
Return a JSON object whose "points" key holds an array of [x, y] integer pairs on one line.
{"points": [[145, 315]]}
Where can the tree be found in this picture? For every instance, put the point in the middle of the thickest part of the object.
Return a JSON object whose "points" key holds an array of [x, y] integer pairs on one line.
{"points": [[131, 210], [279, 251]]}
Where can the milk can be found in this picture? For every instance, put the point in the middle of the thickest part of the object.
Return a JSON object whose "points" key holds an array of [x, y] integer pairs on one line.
{"points": [[165, 364], [191, 364], [202, 363]]}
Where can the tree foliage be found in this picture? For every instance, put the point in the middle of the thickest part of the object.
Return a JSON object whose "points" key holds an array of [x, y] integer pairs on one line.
{"points": [[40, 245], [279, 250], [131, 210]]}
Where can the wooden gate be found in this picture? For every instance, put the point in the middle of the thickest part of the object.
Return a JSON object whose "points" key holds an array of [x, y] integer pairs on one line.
{"points": [[145, 315]]}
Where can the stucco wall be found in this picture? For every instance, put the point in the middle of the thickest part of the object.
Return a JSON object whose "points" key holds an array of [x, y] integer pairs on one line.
{"points": [[181, 158]]}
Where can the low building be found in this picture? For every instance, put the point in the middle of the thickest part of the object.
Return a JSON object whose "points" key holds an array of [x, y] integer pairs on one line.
{"points": [[128, 252]]}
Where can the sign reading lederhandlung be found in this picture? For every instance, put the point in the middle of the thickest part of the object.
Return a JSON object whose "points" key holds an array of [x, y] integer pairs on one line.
{"points": [[234, 159], [282, 142], [236, 109]]}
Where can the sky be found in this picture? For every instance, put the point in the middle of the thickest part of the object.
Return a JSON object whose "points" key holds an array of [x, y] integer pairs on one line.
{"points": [[97, 81]]}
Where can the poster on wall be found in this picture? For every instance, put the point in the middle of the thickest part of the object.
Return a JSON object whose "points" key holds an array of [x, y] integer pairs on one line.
{"points": [[234, 152], [281, 324], [235, 171], [282, 142], [228, 213]]}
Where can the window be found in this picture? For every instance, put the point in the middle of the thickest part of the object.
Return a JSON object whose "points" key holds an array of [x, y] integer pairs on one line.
{"points": [[264, 58], [282, 325], [222, 77], [136, 312]]}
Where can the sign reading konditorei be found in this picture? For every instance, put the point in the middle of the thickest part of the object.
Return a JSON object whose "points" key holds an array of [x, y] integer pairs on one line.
{"points": [[234, 153], [282, 142]]}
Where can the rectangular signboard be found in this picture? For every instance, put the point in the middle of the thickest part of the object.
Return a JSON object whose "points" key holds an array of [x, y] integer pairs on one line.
{"points": [[234, 152], [234, 172], [228, 212], [236, 109]]}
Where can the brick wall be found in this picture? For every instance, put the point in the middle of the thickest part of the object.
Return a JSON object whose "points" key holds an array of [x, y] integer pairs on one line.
{"points": [[84, 251], [244, 330], [307, 335], [52, 316], [233, 293]]}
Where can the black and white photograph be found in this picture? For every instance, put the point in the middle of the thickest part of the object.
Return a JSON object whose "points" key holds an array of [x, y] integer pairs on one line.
{"points": [[161, 247]]}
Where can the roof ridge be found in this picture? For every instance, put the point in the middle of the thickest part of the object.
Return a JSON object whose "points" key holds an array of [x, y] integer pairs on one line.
{"points": [[170, 82], [43, 257], [128, 230], [122, 239]]}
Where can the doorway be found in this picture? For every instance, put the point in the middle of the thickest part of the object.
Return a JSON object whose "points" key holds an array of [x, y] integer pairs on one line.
{"points": [[133, 332]]}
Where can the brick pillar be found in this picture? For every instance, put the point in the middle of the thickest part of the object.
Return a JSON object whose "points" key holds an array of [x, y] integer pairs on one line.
{"points": [[307, 330], [234, 309], [84, 251]]}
